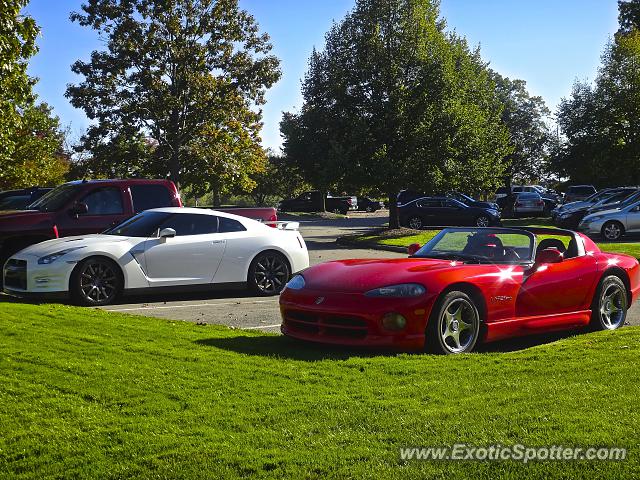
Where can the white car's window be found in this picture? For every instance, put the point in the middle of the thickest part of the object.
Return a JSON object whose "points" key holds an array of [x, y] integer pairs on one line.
{"points": [[191, 224]]}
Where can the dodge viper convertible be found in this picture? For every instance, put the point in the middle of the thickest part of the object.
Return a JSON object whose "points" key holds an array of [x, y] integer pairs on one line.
{"points": [[466, 286], [164, 248]]}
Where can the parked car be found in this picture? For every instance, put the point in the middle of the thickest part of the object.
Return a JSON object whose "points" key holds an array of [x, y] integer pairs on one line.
{"points": [[578, 192], [587, 202], [312, 202], [528, 204], [365, 204], [351, 200], [406, 196], [571, 218], [443, 211], [160, 249], [83, 207], [21, 199], [505, 202], [471, 202], [465, 287], [613, 224]]}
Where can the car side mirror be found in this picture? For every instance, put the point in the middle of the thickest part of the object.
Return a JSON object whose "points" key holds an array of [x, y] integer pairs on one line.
{"points": [[549, 255], [167, 233], [413, 248], [79, 208]]}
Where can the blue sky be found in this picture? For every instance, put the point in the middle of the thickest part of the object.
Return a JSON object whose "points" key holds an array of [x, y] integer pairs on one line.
{"points": [[545, 42]]}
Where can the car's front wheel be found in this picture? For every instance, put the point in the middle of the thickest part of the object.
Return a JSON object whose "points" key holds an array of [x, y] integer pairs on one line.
{"points": [[609, 308], [612, 230], [454, 325], [268, 273], [95, 281]]}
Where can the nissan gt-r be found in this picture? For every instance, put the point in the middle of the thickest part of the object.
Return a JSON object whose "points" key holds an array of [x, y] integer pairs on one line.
{"points": [[465, 286], [165, 248]]}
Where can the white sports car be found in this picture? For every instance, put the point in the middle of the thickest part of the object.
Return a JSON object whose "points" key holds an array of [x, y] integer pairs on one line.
{"points": [[173, 248]]}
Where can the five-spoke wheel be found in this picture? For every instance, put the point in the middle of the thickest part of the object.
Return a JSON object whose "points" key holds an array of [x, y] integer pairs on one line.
{"points": [[415, 223], [454, 325], [268, 273], [609, 309], [612, 230], [95, 281], [482, 221]]}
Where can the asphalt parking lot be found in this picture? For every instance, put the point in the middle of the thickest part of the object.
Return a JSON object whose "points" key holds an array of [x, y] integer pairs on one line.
{"points": [[239, 309]]}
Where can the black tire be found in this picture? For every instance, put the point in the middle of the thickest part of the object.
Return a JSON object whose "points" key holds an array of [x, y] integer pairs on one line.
{"points": [[96, 281], [610, 304], [415, 223], [612, 230], [483, 221], [268, 273], [444, 332]]}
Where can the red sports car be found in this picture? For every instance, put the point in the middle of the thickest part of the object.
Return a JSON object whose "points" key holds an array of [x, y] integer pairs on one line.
{"points": [[466, 286]]}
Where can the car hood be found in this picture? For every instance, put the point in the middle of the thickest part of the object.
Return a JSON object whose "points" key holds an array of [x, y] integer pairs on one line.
{"points": [[87, 241], [351, 276], [573, 205]]}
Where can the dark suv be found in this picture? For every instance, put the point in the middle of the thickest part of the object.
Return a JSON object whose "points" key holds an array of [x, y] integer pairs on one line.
{"points": [[81, 207]]}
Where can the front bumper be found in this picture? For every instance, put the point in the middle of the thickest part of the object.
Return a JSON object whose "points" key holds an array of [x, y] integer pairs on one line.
{"points": [[352, 319], [24, 277], [591, 228]]}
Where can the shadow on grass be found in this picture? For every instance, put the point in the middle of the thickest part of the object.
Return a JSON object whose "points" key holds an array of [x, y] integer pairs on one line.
{"points": [[288, 348]]}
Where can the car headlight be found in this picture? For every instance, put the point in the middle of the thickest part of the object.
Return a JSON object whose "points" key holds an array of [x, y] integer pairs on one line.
{"points": [[296, 283], [401, 290], [47, 259]]}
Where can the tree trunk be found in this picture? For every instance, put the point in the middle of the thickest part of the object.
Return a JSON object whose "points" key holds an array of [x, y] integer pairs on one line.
{"points": [[394, 220], [216, 199]]}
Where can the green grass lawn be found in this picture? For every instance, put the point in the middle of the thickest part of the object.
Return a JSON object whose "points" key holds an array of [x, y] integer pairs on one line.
{"points": [[404, 239], [91, 394]]}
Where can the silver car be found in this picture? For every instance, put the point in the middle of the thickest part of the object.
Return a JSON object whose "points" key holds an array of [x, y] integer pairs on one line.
{"points": [[613, 224], [528, 203]]}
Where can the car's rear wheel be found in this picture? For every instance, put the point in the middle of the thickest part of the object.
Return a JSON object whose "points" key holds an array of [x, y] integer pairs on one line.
{"points": [[416, 223], [609, 308], [482, 221], [454, 325], [96, 281], [612, 230], [268, 273]]}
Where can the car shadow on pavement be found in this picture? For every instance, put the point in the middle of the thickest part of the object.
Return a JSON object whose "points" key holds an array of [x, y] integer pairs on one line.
{"points": [[292, 349]]}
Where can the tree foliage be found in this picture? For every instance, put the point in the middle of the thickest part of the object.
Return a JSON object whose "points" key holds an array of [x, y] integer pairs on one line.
{"points": [[280, 179], [188, 76], [525, 116], [31, 140], [393, 102], [600, 122]]}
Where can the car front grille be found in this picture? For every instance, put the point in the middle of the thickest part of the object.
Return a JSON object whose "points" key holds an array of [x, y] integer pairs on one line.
{"points": [[15, 274], [326, 325]]}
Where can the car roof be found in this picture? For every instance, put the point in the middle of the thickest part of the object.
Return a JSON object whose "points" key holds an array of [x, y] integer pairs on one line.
{"points": [[117, 181], [202, 211]]}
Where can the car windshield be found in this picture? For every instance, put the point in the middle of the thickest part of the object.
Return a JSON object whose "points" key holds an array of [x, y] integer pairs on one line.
{"points": [[480, 245], [142, 225], [55, 199]]}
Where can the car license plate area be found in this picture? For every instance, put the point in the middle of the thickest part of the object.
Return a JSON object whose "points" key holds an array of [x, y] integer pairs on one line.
{"points": [[326, 325]]}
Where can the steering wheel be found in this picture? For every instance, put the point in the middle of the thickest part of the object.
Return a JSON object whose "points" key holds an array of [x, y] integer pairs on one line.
{"points": [[510, 253]]}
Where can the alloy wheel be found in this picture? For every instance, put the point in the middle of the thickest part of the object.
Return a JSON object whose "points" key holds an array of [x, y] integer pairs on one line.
{"points": [[459, 325], [613, 306], [271, 274], [482, 221], [415, 223], [612, 231], [98, 282]]}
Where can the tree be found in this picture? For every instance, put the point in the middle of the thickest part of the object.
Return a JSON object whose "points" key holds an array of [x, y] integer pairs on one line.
{"points": [[525, 117], [628, 15], [278, 179], [37, 156], [187, 74], [394, 100], [17, 44], [600, 121]]}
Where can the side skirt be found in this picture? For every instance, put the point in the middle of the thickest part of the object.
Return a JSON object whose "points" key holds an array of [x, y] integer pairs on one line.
{"points": [[516, 327], [201, 287]]}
